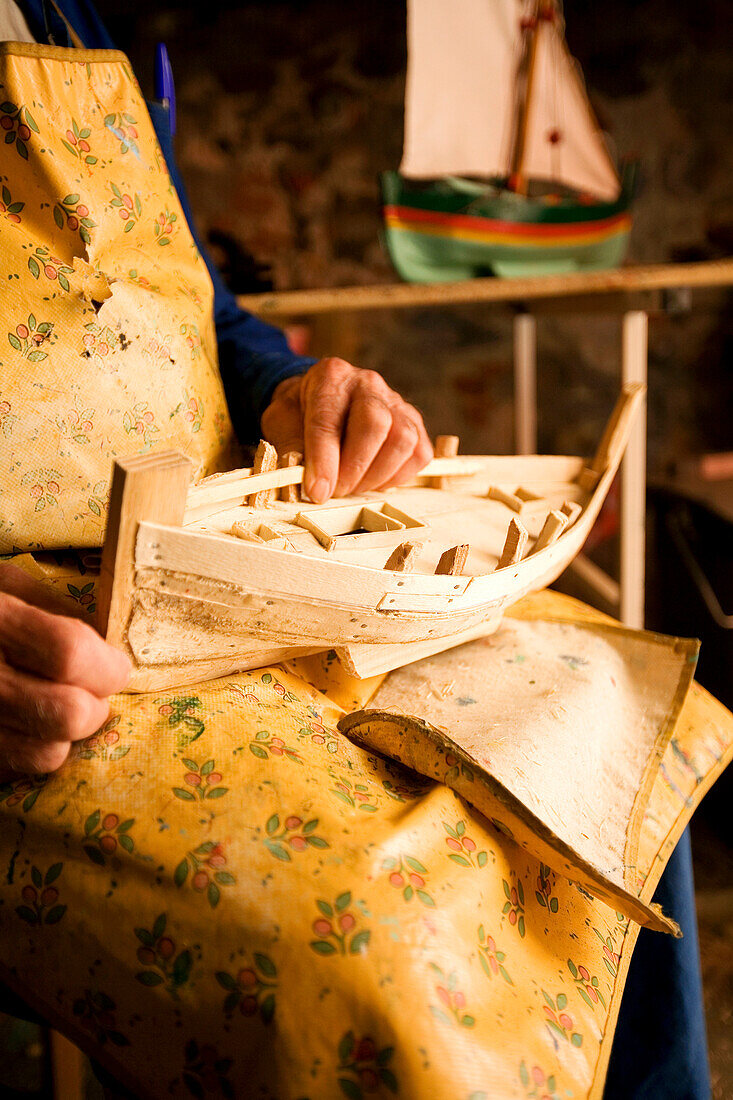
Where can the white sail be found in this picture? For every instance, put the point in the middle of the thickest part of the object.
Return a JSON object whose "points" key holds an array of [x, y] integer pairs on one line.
{"points": [[563, 142], [459, 99], [462, 104]]}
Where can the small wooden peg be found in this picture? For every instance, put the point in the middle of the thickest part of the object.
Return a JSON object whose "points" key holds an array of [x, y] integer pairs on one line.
{"points": [[445, 447], [515, 545], [265, 461], [403, 557], [290, 494], [452, 561]]}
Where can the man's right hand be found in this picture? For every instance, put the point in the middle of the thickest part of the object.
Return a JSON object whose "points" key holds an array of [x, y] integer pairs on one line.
{"points": [[56, 674]]}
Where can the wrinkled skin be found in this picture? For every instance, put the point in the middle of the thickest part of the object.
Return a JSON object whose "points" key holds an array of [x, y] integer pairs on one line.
{"points": [[56, 676], [356, 433]]}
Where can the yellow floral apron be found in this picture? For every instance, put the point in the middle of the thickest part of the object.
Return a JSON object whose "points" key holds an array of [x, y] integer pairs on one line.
{"points": [[221, 896], [107, 341]]}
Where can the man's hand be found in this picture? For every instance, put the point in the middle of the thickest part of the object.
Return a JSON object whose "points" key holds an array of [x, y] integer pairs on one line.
{"points": [[356, 433], [55, 676]]}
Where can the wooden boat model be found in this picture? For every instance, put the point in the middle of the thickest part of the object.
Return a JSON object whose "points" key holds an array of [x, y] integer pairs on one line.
{"points": [[238, 572]]}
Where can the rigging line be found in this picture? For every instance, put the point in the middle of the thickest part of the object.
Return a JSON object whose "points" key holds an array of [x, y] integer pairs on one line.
{"points": [[558, 113]]}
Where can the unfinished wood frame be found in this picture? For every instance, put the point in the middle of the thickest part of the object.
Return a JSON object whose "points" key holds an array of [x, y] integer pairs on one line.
{"points": [[189, 603]]}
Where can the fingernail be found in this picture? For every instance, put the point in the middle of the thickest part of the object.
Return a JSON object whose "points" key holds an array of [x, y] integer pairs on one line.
{"points": [[319, 491]]}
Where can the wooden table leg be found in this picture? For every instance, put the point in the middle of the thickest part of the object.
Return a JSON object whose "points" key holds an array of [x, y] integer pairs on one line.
{"points": [[633, 477], [67, 1068], [525, 384]]}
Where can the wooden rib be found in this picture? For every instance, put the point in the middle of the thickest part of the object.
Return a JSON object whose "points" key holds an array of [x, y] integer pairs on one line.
{"points": [[372, 519], [552, 528], [403, 557], [515, 544], [265, 462], [325, 538], [572, 510], [245, 531], [446, 446], [588, 479], [510, 499], [453, 561], [290, 494], [526, 495]]}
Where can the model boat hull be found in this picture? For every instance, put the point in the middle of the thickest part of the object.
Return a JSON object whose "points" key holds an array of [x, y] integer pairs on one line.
{"points": [[197, 583], [444, 232]]}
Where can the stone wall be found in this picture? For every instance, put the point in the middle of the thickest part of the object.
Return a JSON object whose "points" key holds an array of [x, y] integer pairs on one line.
{"points": [[289, 110]]}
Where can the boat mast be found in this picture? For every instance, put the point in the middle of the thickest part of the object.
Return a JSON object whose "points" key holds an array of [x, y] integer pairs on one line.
{"points": [[541, 9]]}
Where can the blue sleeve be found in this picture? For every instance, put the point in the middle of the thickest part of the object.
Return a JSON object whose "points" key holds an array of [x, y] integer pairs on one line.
{"points": [[253, 356]]}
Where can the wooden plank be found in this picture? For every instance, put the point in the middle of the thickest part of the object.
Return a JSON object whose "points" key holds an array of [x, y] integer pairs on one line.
{"points": [[446, 446], [371, 660], [515, 545], [224, 491], [453, 561], [265, 462], [290, 494], [707, 273], [403, 557], [144, 487], [505, 469]]}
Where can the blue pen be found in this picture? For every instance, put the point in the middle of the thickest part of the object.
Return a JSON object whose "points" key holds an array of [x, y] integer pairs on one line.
{"points": [[164, 87]]}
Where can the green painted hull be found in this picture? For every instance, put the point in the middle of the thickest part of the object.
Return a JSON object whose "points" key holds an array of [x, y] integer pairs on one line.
{"points": [[453, 230]]}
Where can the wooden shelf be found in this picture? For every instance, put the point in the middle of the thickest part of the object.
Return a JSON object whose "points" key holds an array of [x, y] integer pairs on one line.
{"points": [[622, 280]]}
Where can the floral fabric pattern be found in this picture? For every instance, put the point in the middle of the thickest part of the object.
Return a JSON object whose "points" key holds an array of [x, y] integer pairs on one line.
{"points": [[278, 940], [91, 302]]}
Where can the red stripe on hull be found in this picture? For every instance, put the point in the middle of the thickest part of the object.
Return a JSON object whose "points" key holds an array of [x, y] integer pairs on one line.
{"points": [[476, 224]]}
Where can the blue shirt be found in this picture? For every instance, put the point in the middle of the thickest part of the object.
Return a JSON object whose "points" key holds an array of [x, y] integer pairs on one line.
{"points": [[253, 356]]}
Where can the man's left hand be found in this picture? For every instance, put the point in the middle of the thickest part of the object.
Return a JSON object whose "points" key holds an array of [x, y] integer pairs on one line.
{"points": [[355, 432]]}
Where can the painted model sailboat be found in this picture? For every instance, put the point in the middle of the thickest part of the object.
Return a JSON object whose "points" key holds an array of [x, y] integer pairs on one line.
{"points": [[505, 168]]}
